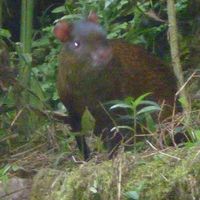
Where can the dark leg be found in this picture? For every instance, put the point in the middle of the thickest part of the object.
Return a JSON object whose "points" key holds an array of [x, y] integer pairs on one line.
{"points": [[75, 123], [83, 147]]}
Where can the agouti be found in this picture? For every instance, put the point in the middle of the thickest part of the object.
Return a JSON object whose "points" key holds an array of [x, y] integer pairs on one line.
{"points": [[94, 70]]}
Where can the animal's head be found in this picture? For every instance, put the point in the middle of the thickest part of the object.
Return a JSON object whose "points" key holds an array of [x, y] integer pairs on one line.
{"points": [[85, 40]]}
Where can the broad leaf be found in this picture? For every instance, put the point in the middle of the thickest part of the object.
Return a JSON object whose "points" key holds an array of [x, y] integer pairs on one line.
{"points": [[87, 121], [148, 109]]}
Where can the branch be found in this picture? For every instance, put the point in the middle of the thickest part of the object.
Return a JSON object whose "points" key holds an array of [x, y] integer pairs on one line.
{"points": [[173, 40]]}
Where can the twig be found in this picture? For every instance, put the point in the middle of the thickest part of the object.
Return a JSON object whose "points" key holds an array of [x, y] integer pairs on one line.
{"points": [[78, 162], [27, 151], [119, 183], [184, 85], [16, 117], [165, 154]]}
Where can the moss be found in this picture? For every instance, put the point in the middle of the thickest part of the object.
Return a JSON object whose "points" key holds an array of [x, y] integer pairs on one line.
{"points": [[97, 181], [171, 175], [46, 183]]}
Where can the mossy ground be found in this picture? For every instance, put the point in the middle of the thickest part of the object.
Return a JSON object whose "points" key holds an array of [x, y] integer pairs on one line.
{"points": [[173, 174]]}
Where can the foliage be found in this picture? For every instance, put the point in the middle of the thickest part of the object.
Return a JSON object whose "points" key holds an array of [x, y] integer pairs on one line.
{"points": [[5, 170], [137, 111], [4, 33], [132, 195]]}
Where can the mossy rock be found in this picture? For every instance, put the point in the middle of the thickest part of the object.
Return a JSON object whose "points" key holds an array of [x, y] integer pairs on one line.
{"points": [[173, 174]]}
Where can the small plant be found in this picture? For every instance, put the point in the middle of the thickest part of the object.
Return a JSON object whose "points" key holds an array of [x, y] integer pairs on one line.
{"points": [[135, 193], [132, 195], [4, 171], [133, 112]]}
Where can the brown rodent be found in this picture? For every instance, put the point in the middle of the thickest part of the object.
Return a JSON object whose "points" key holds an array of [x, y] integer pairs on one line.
{"points": [[93, 69]]}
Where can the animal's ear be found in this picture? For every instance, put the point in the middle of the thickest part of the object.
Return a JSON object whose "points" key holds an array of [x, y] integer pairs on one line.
{"points": [[93, 17], [62, 31]]}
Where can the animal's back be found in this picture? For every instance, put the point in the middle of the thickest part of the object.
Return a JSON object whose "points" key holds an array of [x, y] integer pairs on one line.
{"points": [[143, 72]]}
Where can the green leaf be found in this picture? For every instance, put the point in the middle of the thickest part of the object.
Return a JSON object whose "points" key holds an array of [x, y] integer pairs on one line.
{"points": [[87, 121], [60, 9], [151, 125], [73, 17], [123, 127], [27, 58], [147, 102], [121, 4], [93, 190], [139, 99], [6, 169], [183, 101], [196, 134], [15, 167], [55, 96], [41, 42], [108, 3], [5, 33], [132, 195], [61, 107], [37, 94], [120, 105], [126, 117], [148, 109], [129, 100]]}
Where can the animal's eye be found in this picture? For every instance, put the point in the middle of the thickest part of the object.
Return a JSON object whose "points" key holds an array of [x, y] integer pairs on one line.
{"points": [[76, 44]]}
